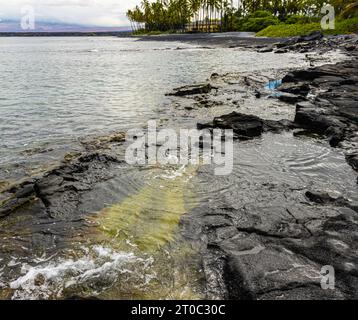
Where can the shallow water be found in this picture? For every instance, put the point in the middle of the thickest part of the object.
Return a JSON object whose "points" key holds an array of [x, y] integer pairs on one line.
{"points": [[133, 246], [280, 162], [56, 90]]}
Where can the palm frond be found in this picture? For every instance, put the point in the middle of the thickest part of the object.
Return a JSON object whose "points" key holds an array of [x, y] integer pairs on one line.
{"points": [[350, 8]]}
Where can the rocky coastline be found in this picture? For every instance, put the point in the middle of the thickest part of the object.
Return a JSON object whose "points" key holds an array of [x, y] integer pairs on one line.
{"points": [[275, 254]]}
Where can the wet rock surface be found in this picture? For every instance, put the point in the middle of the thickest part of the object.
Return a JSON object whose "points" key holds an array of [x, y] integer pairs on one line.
{"points": [[192, 90], [44, 212], [277, 252], [246, 126], [333, 109], [313, 42]]}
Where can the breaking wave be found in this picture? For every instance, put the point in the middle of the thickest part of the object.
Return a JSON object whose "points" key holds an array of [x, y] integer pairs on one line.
{"points": [[98, 269]]}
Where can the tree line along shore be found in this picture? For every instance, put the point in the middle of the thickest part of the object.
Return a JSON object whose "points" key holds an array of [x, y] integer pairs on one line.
{"points": [[277, 18]]}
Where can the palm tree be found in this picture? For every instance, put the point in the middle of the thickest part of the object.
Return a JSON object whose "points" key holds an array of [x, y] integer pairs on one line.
{"points": [[350, 8], [195, 9]]}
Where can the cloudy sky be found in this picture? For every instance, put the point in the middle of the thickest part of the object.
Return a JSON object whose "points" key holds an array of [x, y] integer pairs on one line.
{"points": [[101, 13]]}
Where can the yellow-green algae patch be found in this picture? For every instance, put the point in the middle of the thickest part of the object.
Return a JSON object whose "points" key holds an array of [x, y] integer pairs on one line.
{"points": [[150, 218], [147, 224]]}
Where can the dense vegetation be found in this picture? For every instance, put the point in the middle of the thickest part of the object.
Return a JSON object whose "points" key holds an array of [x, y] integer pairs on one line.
{"points": [[278, 17], [287, 30]]}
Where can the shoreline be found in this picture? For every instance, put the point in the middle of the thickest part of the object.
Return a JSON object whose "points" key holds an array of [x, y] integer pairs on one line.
{"points": [[56, 193]]}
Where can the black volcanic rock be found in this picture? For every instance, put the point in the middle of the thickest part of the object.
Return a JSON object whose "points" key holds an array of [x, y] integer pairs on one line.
{"points": [[313, 36], [290, 98], [334, 110], [242, 124], [247, 126], [325, 198], [192, 90], [295, 88]]}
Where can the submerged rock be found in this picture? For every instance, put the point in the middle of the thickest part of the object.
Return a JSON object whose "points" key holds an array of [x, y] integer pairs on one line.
{"points": [[295, 88], [103, 142], [326, 198], [353, 161], [313, 36], [192, 90], [290, 98], [266, 49], [280, 51]]}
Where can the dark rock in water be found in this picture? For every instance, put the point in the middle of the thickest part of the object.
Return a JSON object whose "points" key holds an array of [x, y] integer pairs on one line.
{"points": [[290, 98], [207, 103], [242, 124], [289, 42], [317, 72], [192, 90], [350, 47], [30, 152], [335, 135], [353, 161], [317, 42], [281, 51], [334, 111], [266, 49], [313, 36], [59, 190], [295, 88], [257, 94], [103, 142], [326, 198], [247, 126], [317, 119], [25, 191], [214, 75], [348, 109], [302, 43], [16, 197], [306, 75], [334, 80], [279, 126], [11, 204]]}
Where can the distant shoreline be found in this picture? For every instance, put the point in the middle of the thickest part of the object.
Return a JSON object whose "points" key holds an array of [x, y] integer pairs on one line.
{"points": [[67, 34], [211, 40]]}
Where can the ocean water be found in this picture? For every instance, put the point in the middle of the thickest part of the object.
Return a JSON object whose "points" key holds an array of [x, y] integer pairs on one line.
{"points": [[56, 90]]}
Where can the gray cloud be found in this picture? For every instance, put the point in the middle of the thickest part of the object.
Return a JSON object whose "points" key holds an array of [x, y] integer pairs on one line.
{"points": [[106, 13]]}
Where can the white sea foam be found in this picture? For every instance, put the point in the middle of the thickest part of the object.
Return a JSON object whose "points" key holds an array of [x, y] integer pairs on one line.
{"points": [[97, 270]]}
